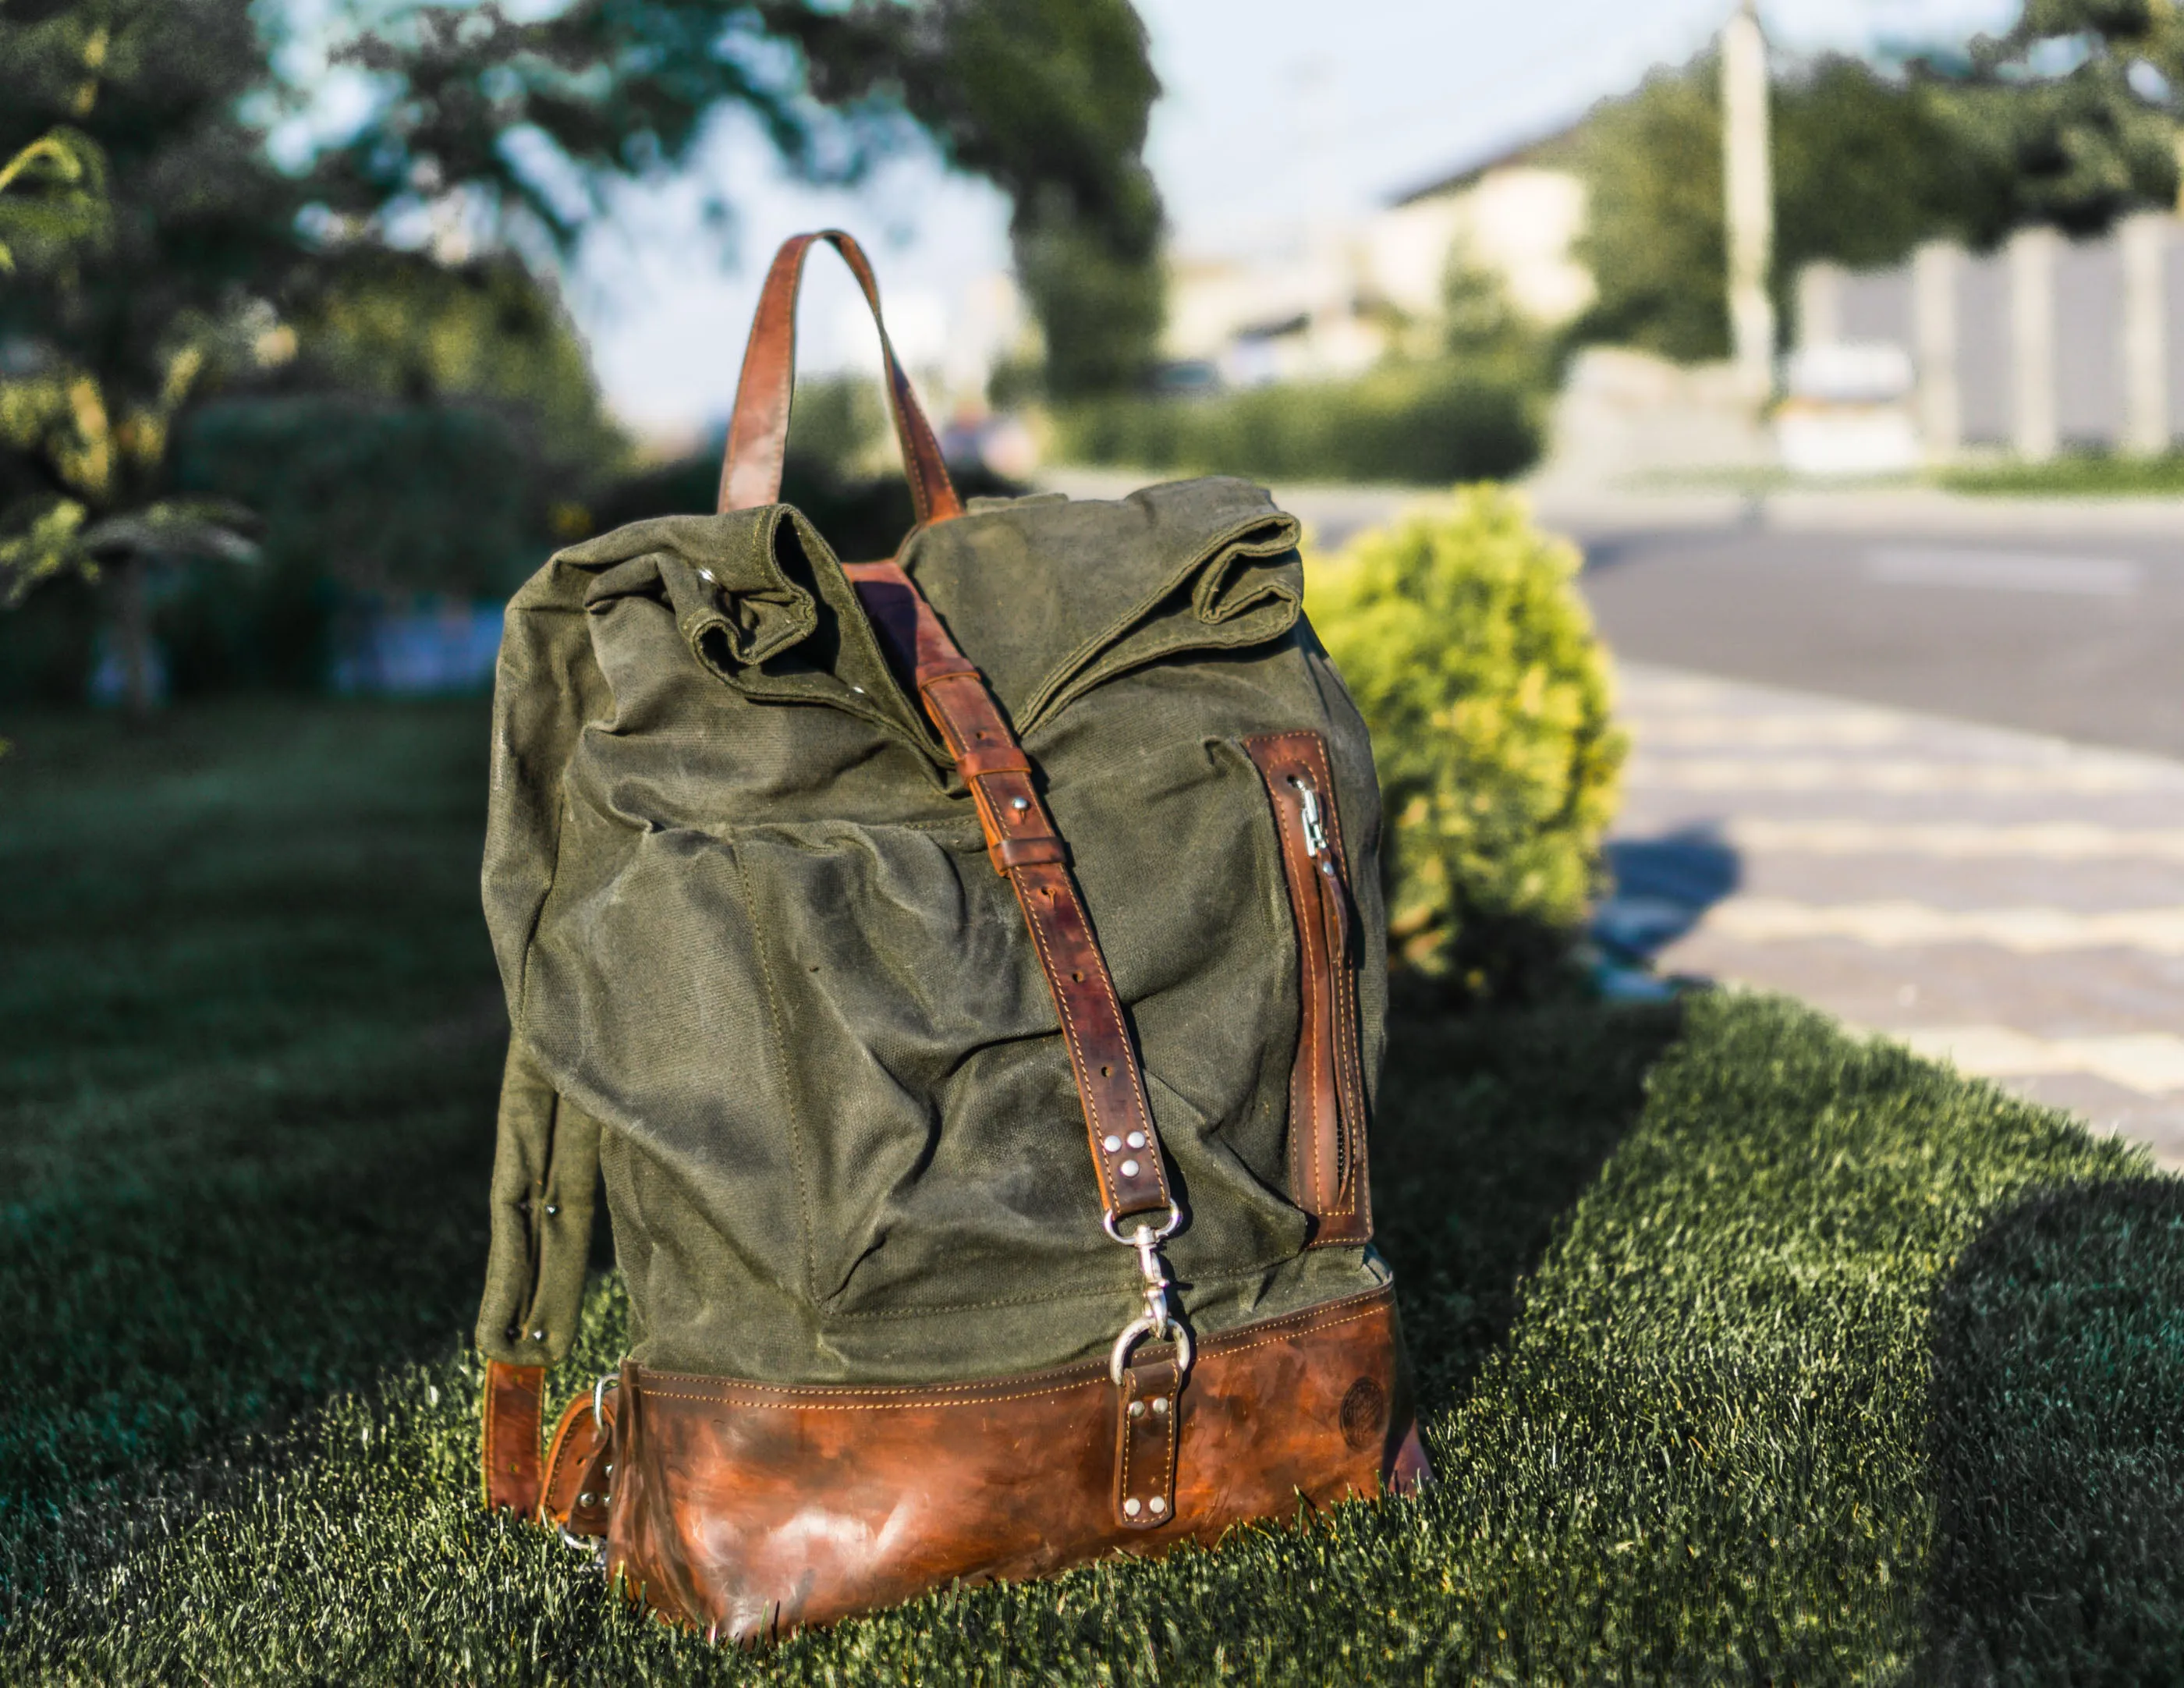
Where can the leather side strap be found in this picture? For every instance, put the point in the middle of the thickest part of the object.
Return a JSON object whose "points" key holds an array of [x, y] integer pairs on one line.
{"points": [[513, 1475], [1024, 845], [580, 1465], [758, 433]]}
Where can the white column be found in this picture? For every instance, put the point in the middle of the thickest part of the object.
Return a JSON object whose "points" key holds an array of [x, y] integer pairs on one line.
{"points": [[2144, 343], [1935, 267], [2032, 342], [1748, 198], [1820, 305]]}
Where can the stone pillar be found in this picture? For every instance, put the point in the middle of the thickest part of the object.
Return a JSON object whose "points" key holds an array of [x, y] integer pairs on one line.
{"points": [[2144, 344], [1935, 269], [2033, 429], [1820, 305], [1748, 199]]}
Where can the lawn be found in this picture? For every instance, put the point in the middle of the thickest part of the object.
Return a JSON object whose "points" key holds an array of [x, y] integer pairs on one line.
{"points": [[1750, 1353]]}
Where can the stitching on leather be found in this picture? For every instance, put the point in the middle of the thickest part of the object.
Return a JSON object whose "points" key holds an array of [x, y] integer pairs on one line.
{"points": [[1122, 1465], [1311, 941], [556, 1455], [1341, 1009], [1348, 1074], [858, 1406]]}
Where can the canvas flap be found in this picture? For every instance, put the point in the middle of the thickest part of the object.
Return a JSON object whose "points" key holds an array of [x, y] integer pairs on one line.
{"points": [[1051, 597], [760, 601]]}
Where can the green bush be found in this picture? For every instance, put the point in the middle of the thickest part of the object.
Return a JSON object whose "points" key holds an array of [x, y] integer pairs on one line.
{"points": [[2075, 474], [1426, 423], [1461, 633]]}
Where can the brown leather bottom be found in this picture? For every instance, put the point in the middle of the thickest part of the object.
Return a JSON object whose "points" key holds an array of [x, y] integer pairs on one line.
{"points": [[746, 1510]]}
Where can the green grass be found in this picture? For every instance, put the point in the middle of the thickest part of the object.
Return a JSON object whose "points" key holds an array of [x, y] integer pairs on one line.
{"points": [[2078, 473], [1749, 1353]]}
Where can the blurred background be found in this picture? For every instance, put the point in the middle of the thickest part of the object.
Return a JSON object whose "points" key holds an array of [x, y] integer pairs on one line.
{"points": [[1821, 362], [1844, 338]]}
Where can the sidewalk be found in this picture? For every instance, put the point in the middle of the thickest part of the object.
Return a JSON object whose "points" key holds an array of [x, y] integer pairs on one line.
{"points": [[2010, 903]]}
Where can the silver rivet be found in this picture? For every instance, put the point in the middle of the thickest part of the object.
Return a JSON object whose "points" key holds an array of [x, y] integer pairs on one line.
{"points": [[1160, 1405], [706, 575], [1129, 1169], [859, 690], [537, 1336], [1130, 1508], [551, 1210], [1020, 803], [588, 1500], [1157, 1505], [1137, 1139], [1137, 1409], [1113, 1146]]}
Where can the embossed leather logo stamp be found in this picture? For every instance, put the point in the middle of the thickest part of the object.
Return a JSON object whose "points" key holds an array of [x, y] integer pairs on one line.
{"points": [[1364, 1412]]}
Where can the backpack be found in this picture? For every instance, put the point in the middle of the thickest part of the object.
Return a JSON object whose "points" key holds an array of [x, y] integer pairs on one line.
{"points": [[967, 971]]}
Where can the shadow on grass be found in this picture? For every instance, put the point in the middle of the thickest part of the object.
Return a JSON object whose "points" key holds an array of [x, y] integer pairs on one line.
{"points": [[2057, 1448], [1490, 1126], [249, 1047]]}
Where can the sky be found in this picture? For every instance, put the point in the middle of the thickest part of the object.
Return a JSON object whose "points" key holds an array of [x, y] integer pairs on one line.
{"points": [[1269, 120]]}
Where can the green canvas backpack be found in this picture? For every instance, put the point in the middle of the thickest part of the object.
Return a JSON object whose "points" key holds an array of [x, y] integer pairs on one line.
{"points": [[967, 971]]}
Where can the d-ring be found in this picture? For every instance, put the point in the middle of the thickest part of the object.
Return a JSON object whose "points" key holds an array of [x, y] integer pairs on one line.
{"points": [[607, 1380], [1168, 1230], [1143, 1326]]}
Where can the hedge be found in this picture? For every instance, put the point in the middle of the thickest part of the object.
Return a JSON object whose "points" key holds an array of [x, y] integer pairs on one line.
{"points": [[1427, 423]]}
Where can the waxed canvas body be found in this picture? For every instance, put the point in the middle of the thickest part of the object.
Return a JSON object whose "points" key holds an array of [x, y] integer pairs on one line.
{"points": [[750, 933]]}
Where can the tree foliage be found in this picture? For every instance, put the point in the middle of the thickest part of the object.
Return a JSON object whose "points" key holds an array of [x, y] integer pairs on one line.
{"points": [[128, 291], [539, 119], [2069, 119]]}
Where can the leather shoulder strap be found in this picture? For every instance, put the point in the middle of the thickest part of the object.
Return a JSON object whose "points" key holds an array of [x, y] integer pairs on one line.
{"points": [[758, 432], [1021, 840]]}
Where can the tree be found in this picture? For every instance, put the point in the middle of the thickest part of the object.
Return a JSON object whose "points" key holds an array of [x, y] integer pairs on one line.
{"points": [[2070, 119], [114, 320], [536, 120], [2078, 105], [489, 331]]}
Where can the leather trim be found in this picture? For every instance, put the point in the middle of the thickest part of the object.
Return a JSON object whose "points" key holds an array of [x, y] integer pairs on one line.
{"points": [[758, 432], [580, 1468], [1144, 1444], [510, 1449], [1328, 1176], [1024, 845], [744, 1510]]}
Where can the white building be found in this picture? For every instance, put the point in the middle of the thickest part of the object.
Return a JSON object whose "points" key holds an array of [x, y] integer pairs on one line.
{"points": [[1341, 298]]}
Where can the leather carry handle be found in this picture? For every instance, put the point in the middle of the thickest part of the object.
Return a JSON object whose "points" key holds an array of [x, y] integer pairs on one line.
{"points": [[758, 432]]}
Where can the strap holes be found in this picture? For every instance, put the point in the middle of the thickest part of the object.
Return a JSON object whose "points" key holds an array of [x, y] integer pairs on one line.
{"points": [[1077, 975], [1106, 1072]]}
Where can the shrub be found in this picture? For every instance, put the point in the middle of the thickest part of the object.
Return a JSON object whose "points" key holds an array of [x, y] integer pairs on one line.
{"points": [[1428, 423], [1461, 633]]}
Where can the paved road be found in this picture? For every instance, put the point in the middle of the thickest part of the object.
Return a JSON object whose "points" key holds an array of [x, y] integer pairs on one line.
{"points": [[2011, 903], [2082, 639], [2054, 617]]}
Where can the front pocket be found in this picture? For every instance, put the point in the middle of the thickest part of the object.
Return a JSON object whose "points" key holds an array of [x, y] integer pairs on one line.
{"points": [[1327, 1090]]}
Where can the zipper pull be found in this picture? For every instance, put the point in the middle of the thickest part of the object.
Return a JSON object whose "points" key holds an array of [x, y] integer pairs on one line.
{"points": [[1315, 834]]}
